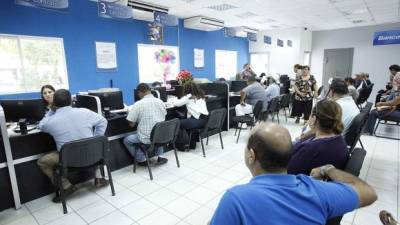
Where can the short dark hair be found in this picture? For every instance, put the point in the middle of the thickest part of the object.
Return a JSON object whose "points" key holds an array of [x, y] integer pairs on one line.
{"points": [[143, 88], [298, 66], [339, 86], [270, 157], [62, 98], [395, 67], [304, 67], [156, 84], [246, 64], [350, 80]]}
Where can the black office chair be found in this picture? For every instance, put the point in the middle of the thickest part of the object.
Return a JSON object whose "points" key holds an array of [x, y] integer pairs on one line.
{"points": [[274, 108], [364, 95], [214, 124], [285, 103], [353, 166], [162, 134], [250, 120], [80, 155], [353, 134], [393, 121], [320, 90]]}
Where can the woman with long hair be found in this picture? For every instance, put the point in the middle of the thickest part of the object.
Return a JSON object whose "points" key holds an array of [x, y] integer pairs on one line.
{"points": [[46, 93], [327, 146]]}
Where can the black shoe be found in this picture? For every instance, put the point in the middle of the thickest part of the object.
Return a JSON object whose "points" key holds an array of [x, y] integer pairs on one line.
{"points": [[161, 161], [67, 192], [144, 163], [297, 120], [100, 182]]}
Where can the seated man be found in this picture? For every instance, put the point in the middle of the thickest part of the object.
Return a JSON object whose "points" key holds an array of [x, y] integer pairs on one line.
{"points": [[274, 197], [145, 113], [273, 89], [249, 96], [339, 92], [67, 124]]}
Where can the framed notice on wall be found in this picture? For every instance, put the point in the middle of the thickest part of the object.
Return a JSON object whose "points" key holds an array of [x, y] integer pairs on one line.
{"points": [[198, 58], [106, 56]]}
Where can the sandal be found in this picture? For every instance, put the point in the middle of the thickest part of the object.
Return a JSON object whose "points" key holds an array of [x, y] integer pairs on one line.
{"points": [[387, 218]]}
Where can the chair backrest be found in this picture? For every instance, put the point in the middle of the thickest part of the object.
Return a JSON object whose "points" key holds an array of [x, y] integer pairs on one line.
{"points": [[84, 152], [215, 119], [355, 162], [257, 109], [273, 105], [354, 131], [165, 132], [285, 101], [367, 108], [364, 94]]}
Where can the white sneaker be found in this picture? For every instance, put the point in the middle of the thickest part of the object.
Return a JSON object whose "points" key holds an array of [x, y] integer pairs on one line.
{"points": [[244, 125]]}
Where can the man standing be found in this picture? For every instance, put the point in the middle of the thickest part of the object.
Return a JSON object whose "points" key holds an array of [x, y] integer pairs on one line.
{"points": [[145, 113], [249, 96], [274, 197], [67, 124]]}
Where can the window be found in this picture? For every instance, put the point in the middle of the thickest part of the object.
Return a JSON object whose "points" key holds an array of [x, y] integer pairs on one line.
{"points": [[225, 64], [27, 63], [260, 62]]}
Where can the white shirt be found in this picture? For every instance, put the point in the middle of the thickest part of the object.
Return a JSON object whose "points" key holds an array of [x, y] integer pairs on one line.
{"points": [[195, 107], [349, 111]]}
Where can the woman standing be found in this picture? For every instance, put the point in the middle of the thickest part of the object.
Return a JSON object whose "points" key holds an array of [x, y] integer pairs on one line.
{"points": [[305, 90]]}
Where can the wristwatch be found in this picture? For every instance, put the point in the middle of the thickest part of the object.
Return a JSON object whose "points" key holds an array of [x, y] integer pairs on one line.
{"points": [[325, 169]]}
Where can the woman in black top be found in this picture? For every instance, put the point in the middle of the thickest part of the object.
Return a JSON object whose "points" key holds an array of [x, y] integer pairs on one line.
{"points": [[46, 93], [305, 90]]}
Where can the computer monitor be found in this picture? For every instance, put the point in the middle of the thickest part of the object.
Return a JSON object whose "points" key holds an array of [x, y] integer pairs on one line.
{"points": [[110, 99], [33, 110], [163, 93], [179, 91], [237, 85], [86, 101]]}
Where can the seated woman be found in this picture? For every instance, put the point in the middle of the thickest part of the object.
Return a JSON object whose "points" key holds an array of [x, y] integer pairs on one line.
{"points": [[197, 112], [46, 93], [389, 108], [327, 146]]}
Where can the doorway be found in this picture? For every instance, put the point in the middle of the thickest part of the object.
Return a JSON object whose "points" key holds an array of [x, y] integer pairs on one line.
{"points": [[260, 62], [338, 63]]}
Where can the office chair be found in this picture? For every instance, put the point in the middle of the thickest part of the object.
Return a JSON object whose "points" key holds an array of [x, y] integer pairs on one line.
{"points": [[250, 120]]}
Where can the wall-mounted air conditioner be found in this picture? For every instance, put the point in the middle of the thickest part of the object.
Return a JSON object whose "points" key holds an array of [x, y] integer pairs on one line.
{"points": [[203, 23], [145, 11], [242, 31]]}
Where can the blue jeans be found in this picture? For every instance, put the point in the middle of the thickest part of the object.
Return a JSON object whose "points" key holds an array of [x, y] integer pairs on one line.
{"points": [[130, 143], [373, 117]]}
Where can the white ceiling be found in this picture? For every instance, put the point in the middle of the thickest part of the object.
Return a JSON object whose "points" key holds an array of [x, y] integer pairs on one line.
{"points": [[281, 14]]}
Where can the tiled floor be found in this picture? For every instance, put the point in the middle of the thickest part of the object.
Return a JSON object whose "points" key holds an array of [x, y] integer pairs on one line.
{"points": [[189, 195]]}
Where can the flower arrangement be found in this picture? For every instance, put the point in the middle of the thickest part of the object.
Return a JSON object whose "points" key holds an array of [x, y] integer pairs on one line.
{"points": [[184, 76]]}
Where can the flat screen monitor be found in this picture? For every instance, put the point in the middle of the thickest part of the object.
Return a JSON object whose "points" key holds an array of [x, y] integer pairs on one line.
{"points": [[237, 85], [179, 91], [33, 110], [86, 101], [110, 99], [163, 93]]}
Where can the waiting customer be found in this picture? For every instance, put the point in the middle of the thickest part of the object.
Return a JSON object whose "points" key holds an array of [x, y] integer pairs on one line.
{"points": [[197, 113], [273, 197], [273, 89], [144, 114], [249, 96], [327, 146], [350, 86], [389, 108], [67, 124], [305, 90], [247, 72]]}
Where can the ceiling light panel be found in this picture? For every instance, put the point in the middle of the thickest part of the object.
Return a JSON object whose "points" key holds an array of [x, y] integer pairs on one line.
{"points": [[222, 7]]}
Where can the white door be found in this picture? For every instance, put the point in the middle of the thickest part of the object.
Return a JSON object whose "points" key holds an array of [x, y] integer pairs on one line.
{"points": [[260, 62]]}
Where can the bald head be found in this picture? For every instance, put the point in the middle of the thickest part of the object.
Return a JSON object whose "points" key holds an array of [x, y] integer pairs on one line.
{"points": [[272, 145]]}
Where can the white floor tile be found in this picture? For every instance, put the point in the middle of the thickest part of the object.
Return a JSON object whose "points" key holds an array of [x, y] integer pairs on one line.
{"points": [[165, 178], [201, 216], [24, 220], [122, 198], [159, 217], [145, 188], [50, 213], [198, 177], [10, 215], [366, 218], [130, 180], [182, 186], [40, 203], [69, 219], [162, 197], [115, 218], [182, 207], [82, 198], [138, 209], [95, 211], [218, 185], [201, 195]]}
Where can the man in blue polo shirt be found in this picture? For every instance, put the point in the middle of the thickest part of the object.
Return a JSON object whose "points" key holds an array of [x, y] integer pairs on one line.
{"points": [[274, 197]]}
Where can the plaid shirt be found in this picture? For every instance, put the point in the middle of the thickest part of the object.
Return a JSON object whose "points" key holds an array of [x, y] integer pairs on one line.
{"points": [[147, 112]]}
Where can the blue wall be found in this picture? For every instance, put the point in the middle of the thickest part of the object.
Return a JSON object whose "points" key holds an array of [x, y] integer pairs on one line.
{"points": [[80, 27]]}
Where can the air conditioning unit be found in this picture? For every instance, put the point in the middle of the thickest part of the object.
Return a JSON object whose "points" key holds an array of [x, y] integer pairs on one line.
{"points": [[203, 23], [145, 11], [242, 31]]}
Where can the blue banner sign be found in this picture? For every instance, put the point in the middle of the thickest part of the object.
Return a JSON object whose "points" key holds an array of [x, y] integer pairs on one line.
{"points": [[289, 43], [229, 32], [267, 40], [280, 43], [59, 5], [114, 10], [389, 37], [252, 36], [165, 19]]}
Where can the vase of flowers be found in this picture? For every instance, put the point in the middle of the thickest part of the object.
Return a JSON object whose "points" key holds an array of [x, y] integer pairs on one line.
{"points": [[184, 76]]}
